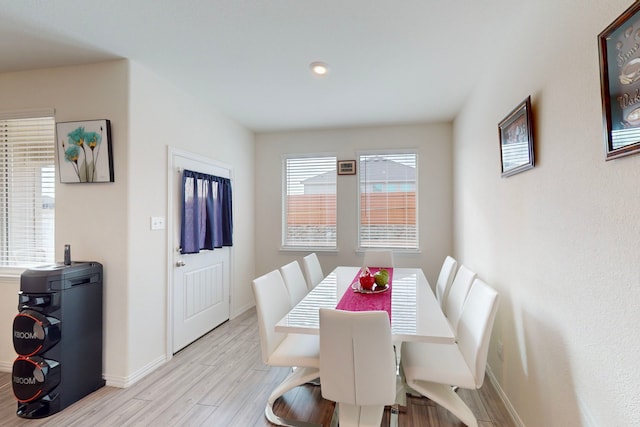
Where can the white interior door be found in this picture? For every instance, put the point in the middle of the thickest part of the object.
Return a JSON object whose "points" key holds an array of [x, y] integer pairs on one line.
{"points": [[200, 294]]}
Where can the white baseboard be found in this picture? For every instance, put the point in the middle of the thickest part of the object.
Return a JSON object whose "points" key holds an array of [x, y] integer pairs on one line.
{"points": [[124, 382], [241, 310], [112, 380], [512, 411]]}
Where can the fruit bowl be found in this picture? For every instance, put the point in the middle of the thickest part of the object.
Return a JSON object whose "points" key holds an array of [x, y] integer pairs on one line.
{"points": [[376, 290]]}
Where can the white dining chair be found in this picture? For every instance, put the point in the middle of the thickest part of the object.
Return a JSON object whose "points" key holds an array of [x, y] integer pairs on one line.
{"points": [[357, 365], [294, 281], [457, 295], [312, 270], [445, 279], [378, 258], [279, 349], [432, 369]]}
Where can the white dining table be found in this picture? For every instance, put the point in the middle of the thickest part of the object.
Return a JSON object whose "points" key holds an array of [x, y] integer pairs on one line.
{"points": [[415, 312]]}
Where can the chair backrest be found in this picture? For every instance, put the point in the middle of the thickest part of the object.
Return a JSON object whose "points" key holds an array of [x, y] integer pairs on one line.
{"points": [[312, 270], [474, 328], [272, 303], [357, 362], [378, 258], [445, 279], [457, 295], [294, 281]]}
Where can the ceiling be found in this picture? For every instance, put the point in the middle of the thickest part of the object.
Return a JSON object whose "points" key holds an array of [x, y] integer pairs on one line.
{"points": [[391, 61]]}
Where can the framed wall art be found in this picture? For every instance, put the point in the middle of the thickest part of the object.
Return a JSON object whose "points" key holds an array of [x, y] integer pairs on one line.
{"points": [[346, 167], [619, 49], [84, 151], [516, 140]]}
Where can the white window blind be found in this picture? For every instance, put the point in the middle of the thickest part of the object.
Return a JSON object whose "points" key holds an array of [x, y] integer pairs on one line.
{"points": [[309, 219], [27, 189], [388, 201]]}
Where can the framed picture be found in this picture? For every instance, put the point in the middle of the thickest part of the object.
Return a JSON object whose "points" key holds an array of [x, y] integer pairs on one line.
{"points": [[516, 140], [346, 167], [84, 151], [620, 84]]}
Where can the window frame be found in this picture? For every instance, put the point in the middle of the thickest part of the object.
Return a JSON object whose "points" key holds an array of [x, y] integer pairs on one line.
{"points": [[411, 151], [14, 271], [284, 245]]}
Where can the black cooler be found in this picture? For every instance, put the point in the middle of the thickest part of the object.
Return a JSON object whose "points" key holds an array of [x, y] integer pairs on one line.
{"points": [[57, 335]]}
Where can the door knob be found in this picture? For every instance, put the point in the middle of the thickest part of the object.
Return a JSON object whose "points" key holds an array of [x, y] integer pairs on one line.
{"points": [[180, 263]]}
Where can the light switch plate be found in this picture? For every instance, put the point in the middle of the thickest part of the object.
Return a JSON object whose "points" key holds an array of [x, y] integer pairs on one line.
{"points": [[157, 223]]}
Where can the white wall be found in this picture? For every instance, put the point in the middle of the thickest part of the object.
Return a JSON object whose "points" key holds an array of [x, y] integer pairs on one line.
{"points": [[165, 116], [92, 218], [109, 222], [560, 242], [433, 143]]}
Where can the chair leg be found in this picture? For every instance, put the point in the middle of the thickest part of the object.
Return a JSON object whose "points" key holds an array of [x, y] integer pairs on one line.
{"points": [[334, 417], [315, 381], [296, 378], [445, 396], [402, 389], [394, 413]]}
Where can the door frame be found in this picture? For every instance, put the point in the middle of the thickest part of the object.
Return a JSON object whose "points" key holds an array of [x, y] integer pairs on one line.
{"points": [[172, 176]]}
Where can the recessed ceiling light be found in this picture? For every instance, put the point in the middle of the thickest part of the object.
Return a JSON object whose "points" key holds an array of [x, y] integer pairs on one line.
{"points": [[319, 68]]}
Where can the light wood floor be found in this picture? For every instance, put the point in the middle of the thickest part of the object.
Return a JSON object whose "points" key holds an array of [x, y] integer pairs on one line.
{"points": [[220, 381]]}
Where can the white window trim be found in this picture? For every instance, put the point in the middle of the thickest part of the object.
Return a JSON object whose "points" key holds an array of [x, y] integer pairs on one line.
{"points": [[27, 114]]}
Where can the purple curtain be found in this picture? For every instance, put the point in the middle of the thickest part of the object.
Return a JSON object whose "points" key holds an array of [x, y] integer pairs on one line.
{"points": [[207, 221]]}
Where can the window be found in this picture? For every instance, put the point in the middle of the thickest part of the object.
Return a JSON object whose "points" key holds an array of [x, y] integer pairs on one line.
{"points": [[388, 201], [27, 189], [309, 202]]}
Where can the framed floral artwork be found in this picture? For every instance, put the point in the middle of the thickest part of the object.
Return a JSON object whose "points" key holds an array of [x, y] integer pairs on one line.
{"points": [[84, 151]]}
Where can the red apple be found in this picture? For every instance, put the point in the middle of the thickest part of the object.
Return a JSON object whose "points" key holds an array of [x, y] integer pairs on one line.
{"points": [[367, 281]]}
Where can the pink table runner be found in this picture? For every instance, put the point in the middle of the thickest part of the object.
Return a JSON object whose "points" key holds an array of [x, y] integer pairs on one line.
{"points": [[356, 301]]}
